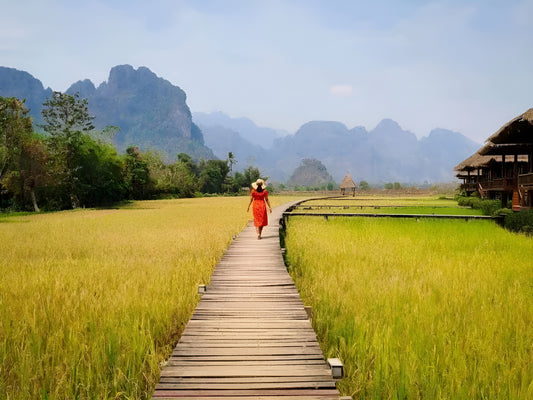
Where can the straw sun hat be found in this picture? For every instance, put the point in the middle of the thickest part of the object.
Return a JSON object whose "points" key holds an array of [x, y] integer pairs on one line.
{"points": [[259, 182]]}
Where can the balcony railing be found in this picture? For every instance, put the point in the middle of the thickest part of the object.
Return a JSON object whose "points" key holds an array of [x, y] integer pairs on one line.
{"points": [[500, 184], [525, 179], [469, 187]]}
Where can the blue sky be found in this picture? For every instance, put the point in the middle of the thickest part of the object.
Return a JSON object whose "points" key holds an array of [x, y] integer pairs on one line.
{"points": [[464, 65]]}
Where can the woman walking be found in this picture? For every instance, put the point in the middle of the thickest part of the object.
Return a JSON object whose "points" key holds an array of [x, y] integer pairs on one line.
{"points": [[259, 198]]}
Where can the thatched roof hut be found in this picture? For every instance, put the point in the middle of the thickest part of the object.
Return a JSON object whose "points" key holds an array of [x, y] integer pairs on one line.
{"points": [[348, 184]]}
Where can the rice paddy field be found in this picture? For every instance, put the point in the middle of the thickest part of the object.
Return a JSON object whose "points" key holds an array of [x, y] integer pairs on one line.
{"points": [[93, 301], [428, 309]]}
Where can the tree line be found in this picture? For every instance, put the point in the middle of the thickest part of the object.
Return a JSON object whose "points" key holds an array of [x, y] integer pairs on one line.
{"points": [[71, 164]]}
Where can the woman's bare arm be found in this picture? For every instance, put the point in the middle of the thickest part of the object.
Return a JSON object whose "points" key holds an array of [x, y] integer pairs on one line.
{"points": [[268, 203]]}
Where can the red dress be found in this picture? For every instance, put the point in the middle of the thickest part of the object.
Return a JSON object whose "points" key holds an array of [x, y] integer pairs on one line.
{"points": [[259, 208]]}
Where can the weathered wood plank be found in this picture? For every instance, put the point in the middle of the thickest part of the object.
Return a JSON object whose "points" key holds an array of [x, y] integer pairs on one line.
{"points": [[245, 371], [246, 392], [255, 379], [162, 396], [248, 385]]}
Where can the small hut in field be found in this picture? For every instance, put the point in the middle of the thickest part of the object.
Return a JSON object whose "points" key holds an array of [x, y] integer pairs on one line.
{"points": [[348, 186]]}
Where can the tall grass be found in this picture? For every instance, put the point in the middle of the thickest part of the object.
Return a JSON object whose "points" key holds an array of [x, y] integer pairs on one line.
{"points": [[92, 301], [428, 309]]}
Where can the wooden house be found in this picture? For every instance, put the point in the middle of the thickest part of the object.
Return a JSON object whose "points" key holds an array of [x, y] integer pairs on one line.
{"points": [[503, 168], [348, 186], [483, 174]]}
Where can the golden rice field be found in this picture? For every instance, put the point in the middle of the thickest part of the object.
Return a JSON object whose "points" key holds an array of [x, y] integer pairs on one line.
{"points": [[92, 301], [419, 310]]}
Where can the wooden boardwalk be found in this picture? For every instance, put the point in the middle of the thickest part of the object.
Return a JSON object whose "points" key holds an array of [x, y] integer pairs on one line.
{"points": [[250, 336]]}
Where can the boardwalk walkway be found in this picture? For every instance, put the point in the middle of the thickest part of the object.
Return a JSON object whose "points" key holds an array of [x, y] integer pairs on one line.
{"points": [[250, 336]]}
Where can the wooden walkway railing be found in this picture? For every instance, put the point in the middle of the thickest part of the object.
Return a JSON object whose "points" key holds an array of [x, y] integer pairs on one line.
{"points": [[250, 336]]}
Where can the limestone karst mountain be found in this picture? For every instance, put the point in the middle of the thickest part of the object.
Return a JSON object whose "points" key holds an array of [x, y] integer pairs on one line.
{"points": [[152, 113]]}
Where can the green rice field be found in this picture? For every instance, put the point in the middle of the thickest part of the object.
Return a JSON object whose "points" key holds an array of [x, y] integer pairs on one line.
{"points": [[429, 309]]}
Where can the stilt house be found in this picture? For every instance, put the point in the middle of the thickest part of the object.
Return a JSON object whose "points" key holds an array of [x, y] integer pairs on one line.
{"points": [[503, 168]]}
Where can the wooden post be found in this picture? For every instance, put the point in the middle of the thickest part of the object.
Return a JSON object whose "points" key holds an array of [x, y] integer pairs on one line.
{"points": [[337, 369], [515, 171]]}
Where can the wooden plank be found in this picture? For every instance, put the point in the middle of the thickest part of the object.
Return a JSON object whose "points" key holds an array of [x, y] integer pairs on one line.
{"points": [[246, 392], [244, 380], [280, 351], [161, 396], [245, 371], [247, 385]]}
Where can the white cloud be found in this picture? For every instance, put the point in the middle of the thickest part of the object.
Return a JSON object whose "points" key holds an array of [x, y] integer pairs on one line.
{"points": [[341, 90]]}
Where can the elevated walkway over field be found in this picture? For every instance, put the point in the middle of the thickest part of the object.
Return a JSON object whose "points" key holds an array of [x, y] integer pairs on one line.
{"points": [[250, 336]]}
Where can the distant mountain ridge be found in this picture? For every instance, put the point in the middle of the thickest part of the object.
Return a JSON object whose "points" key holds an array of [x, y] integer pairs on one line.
{"points": [[385, 154], [260, 136], [153, 114]]}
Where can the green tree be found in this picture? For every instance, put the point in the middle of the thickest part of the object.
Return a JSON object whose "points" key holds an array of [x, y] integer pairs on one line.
{"points": [[22, 156], [363, 185], [389, 185], [251, 174], [99, 177], [231, 161], [29, 175], [187, 161], [397, 185], [136, 174], [16, 128], [213, 174], [66, 119]]}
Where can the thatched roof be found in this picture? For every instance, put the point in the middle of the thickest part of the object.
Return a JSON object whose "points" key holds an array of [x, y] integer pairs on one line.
{"points": [[475, 161], [506, 148], [478, 160], [347, 182], [515, 137], [517, 130]]}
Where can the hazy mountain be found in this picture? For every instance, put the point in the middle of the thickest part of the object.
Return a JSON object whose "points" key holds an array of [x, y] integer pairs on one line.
{"points": [[385, 154], [224, 140], [245, 127], [442, 148], [310, 172], [150, 111], [20, 84]]}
